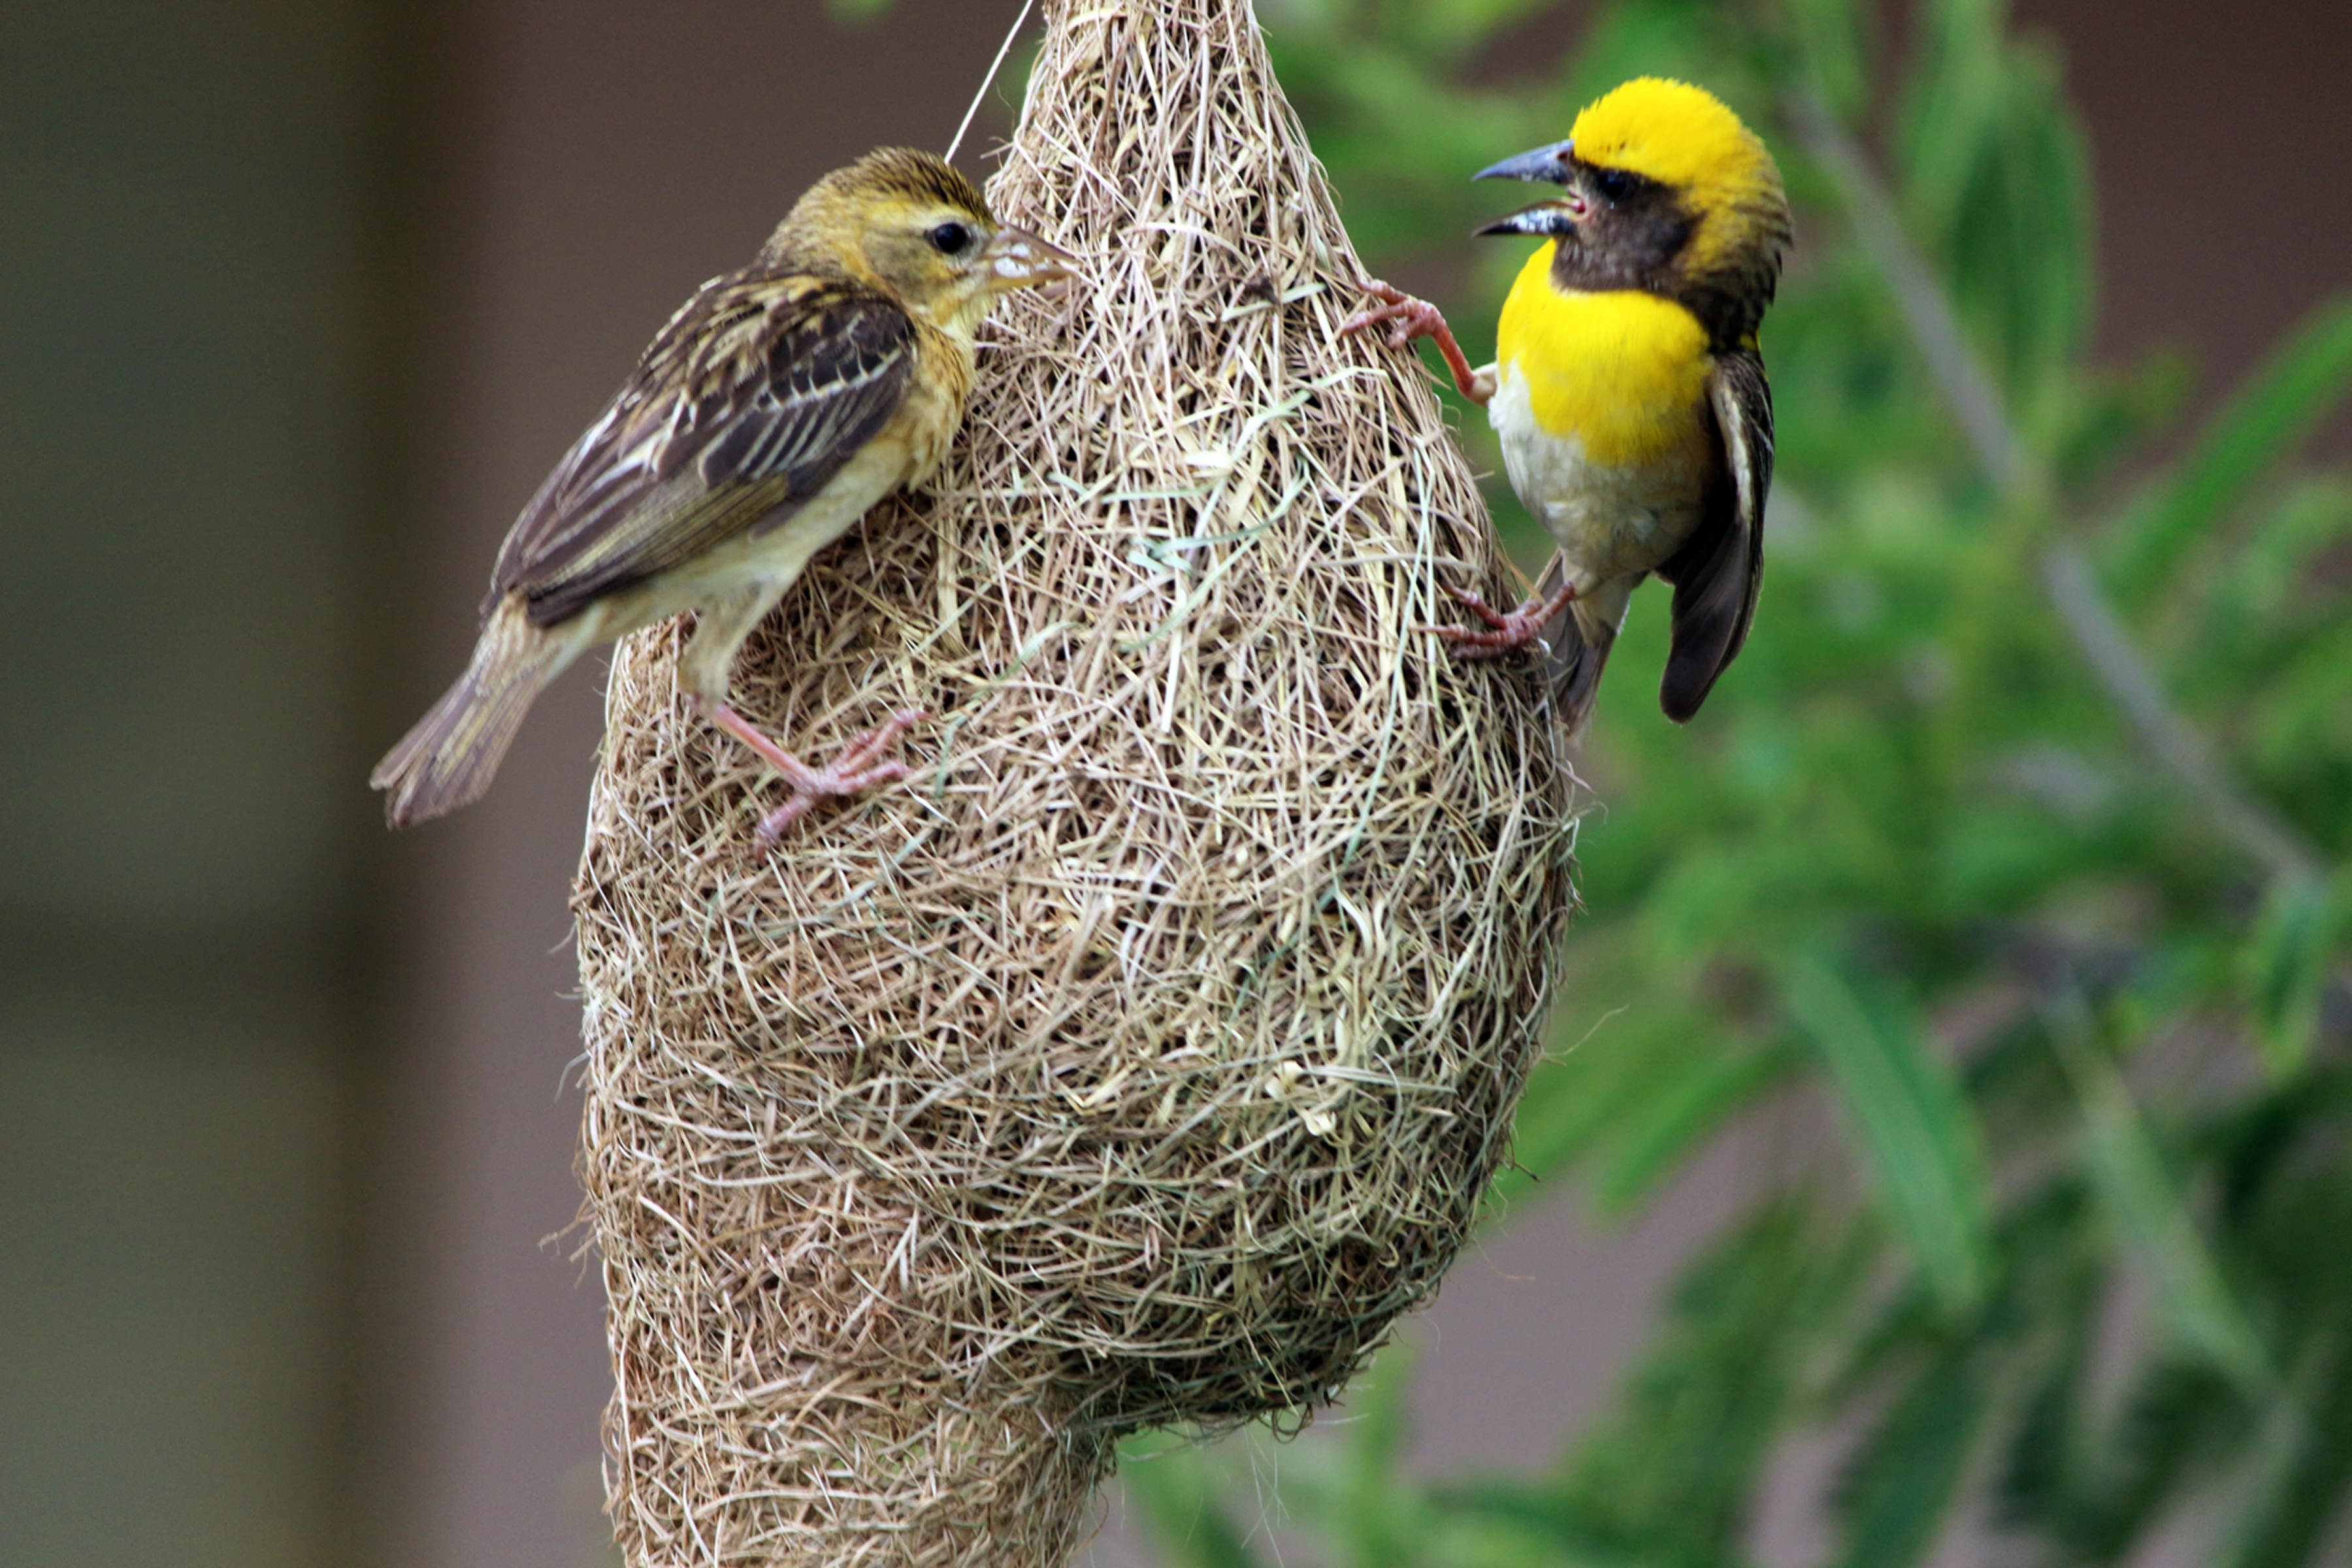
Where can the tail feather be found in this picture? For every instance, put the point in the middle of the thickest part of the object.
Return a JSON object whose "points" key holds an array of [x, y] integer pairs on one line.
{"points": [[454, 752]]}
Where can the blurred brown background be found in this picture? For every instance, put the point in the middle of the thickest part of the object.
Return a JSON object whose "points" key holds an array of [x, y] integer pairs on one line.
{"points": [[297, 301]]}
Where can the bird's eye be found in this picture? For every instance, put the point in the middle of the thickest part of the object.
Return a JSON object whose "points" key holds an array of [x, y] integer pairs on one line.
{"points": [[951, 238], [1612, 183]]}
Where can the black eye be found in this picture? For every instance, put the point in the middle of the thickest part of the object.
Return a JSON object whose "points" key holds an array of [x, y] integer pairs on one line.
{"points": [[1613, 183], [951, 238]]}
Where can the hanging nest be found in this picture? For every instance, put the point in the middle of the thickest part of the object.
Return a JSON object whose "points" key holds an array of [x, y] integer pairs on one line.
{"points": [[1149, 1050]]}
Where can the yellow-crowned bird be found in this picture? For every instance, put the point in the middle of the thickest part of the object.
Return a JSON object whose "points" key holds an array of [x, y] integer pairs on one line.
{"points": [[778, 405], [1627, 386]]}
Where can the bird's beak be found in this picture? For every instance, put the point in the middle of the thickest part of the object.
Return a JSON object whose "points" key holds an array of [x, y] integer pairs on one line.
{"points": [[1548, 219], [1019, 259], [1543, 163]]}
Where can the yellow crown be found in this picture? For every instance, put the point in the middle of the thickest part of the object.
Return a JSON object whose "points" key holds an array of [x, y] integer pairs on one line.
{"points": [[1676, 135]]}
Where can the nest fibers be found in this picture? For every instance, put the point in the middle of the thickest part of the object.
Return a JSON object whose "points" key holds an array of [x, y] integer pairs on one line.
{"points": [[1141, 1056]]}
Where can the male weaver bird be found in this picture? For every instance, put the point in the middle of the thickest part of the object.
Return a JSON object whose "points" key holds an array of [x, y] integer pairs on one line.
{"points": [[1627, 385], [778, 405]]}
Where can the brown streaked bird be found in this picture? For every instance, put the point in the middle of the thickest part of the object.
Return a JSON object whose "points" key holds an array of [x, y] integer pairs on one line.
{"points": [[777, 406], [1628, 384]]}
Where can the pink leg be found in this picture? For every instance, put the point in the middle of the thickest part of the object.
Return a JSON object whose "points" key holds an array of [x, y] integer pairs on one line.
{"points": [[1511, 629], [856, 769], [1413, 318]]}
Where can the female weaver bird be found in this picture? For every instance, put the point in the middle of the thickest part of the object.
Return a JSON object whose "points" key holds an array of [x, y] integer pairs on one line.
{"points": [[1627, 385], [778, 405]]}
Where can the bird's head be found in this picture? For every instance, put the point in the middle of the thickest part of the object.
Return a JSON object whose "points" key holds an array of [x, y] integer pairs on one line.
{"points": [[1665, 191], [907, 223]]}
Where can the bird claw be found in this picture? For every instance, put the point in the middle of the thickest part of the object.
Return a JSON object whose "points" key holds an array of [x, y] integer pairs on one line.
{"points": [[1414, 318], [1508, 630], [856, 770]]}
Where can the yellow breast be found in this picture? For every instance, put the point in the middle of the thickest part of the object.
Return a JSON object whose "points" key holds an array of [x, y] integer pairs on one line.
{"points": [[1624, 373]]}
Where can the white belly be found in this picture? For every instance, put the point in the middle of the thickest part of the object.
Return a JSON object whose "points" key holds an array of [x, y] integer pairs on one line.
{"points": [[1610, 522]]}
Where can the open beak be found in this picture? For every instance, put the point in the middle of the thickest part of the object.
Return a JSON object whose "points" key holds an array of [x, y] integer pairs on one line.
{"points": [[1547, 219], [1543, 163], [1019, 259]]}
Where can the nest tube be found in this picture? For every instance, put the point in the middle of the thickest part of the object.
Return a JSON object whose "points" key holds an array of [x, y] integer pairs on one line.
{"points": [[1150, 1049]]}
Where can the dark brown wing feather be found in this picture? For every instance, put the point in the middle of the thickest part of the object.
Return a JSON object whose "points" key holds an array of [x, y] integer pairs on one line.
{"points": [[751, 398], [1716, 575]]}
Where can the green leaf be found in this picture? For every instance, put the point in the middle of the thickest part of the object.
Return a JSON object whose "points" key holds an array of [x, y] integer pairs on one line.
{"points": [[1955, 105], [2191, 1295], [2299, 1502], [1168, 1478], [1595, 1082], [1674, 1472], [2040, 1479], [2172, 1421], [1899, 1485], [2267, 593], [1377, 1525], [2037, 202], [1646, 1146], [2287, 963], [1831, 37], [1682, 38], [2300, 381], [1571, 1100], [1918, 1129], [1450, 30], [1624, 1103]]}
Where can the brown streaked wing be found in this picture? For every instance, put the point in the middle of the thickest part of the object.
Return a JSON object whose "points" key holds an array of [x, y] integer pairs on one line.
{"points": [[748, 401], [1717, 572]]}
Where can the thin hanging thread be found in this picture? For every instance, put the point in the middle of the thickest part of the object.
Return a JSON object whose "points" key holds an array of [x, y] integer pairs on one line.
{"points": [[990, 79]]}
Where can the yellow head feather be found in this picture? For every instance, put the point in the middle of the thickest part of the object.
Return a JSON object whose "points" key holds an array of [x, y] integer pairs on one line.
{"points": [[1674, 134]]}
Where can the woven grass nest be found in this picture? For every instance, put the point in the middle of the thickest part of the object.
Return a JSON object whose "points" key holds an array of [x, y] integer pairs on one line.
{"points": [[1143, 1055]]}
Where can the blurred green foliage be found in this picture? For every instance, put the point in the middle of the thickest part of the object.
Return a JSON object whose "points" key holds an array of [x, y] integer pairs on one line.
{"points": [[2075, 1265]]}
